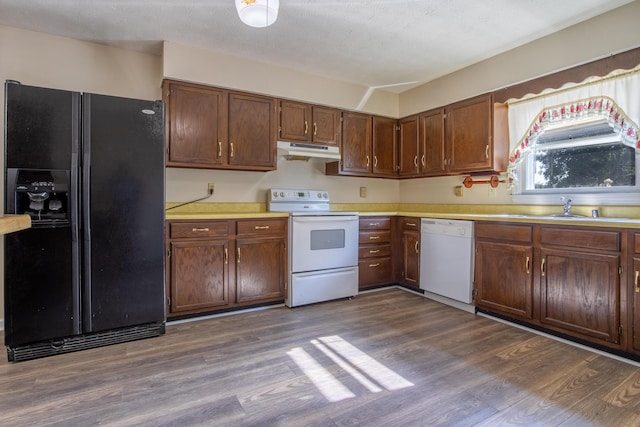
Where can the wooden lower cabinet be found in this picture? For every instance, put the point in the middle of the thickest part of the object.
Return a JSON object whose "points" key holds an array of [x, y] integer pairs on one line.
{"points": [[261, 254], [215, 265], [564, 279], [634, 291], [409, 229], [503, 276], [199, 275], [374, 252]]}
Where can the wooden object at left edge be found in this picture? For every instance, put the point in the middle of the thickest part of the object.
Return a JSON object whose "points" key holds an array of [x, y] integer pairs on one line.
{"points": [[11, 223]]}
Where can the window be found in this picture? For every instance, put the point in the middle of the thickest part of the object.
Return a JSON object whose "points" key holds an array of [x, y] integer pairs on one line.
{"points": [[579, 158]]}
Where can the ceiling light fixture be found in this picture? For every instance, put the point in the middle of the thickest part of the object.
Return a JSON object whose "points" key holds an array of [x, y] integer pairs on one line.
{"points": [[258, 13]]}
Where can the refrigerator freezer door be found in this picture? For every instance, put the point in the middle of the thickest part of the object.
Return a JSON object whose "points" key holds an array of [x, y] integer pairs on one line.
{"points": [[123, 212]]}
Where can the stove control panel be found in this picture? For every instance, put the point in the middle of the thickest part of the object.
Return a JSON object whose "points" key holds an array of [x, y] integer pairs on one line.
{"points": [[285, 195]]}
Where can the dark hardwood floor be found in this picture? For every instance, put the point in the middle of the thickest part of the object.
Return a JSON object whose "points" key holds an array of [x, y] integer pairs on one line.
{"points": [[387, 358]]}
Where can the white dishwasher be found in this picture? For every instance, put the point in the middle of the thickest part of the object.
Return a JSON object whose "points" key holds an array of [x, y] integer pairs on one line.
{"points": [[446, 258]]}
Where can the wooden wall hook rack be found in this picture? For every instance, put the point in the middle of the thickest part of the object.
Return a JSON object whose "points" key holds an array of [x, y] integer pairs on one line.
{"points": [[493, 181]]}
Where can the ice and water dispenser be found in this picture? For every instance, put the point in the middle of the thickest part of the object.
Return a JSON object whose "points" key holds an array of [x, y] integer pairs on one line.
{"points": [[43, 194]]}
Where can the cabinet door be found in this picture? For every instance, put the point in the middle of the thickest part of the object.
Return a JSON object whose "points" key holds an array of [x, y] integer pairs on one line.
{"points": [[195, 125], [326, 126], [295, 121], [356, 143], [580, 293], [431, 143], [503, 279], [411, 257], [260, 269], [635, 274], [199, 275], [408, 147], [384, 146], [252, 131], [469, 131]]}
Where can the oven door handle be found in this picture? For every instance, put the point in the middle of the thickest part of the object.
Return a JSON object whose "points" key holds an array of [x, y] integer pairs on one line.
{"points": [[325, 218]]}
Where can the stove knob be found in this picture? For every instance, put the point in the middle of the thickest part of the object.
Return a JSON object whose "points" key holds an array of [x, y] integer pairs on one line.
{"points": [[325, 195], [282, 194], [319, 195], [275, 194]]}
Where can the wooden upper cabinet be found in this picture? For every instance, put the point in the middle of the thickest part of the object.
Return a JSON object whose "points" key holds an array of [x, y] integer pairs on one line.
{"points": [[252, 131], [384, 146], [326, 125], [214, 128], [431, 142], [356, 143], [309, 123], [195, 125], [295, 119], [408, 147], [476, 137]]}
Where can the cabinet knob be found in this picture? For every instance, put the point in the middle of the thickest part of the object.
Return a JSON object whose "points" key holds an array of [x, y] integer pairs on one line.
{"points": [[636, 280], [375, 251], [527, 265], [231, 145], [219, 149], [197, 230], [261, 227], [415, 247], [306, 127], [315, 128], [377, 264]]}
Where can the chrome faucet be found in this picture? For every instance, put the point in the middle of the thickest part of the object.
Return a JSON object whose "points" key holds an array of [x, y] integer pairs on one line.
{"points": [[567, 206]]}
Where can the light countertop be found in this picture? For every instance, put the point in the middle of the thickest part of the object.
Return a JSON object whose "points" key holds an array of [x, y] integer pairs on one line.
{"points": [[11, 223]]}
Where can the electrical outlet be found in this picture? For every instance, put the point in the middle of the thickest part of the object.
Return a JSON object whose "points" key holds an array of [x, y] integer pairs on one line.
{"points": [[210, 188], [363, 192]]}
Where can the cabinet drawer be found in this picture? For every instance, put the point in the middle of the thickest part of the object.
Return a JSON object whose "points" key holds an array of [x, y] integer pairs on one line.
{"points": [[375, 223], [410, 224], [510, 232], [262, 226], [382, 236], [182, 230], [374, 271], [580, 238], [369, 251]]}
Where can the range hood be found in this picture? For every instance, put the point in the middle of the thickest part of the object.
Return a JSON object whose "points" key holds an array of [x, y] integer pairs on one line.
{"points": [[302, 151]]}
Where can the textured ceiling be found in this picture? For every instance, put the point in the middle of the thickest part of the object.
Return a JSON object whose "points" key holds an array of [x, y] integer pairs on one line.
{"points": [[378, 43]]}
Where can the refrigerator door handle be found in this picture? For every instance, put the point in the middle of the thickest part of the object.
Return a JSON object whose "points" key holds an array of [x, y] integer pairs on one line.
{"points": [[87, 317]]}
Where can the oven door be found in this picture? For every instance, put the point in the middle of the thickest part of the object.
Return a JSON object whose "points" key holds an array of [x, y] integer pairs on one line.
{"points": [[323, 242]]}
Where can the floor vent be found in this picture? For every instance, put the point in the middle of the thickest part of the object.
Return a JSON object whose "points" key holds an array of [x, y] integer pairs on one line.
{"points": [[83, 342]]}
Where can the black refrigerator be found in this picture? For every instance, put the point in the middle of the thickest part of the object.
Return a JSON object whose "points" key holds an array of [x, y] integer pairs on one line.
{"points": [[89, 170]]}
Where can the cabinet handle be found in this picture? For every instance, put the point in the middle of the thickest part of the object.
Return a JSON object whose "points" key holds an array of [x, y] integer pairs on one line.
{"points": [[415, 161], [542, 266], [238, 252], [196, 230], [415, 247], [486, 151], [410, 224], [374, 224], [315, 128], [527, 265], [219, 149], [374, 237], [375, 251], [306, 127], [231, 144], [261, 227], [375, 161], [636, 280], [422, 161], [374, 265], [367, 161], [226, 256]]}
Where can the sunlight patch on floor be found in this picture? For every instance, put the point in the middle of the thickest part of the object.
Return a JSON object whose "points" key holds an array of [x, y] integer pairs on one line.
{"points": [[373, 375]]}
